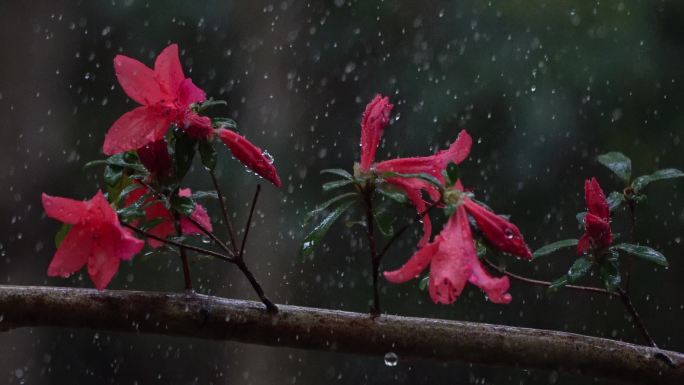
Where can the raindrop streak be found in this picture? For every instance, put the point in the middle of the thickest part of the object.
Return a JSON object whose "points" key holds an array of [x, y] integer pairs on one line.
{"points": [[391, 359]]}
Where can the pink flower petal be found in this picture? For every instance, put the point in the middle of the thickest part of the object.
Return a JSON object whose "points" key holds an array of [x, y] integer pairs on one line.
{"points": [[102, 267], [495, 288], [502, 234], [100, 211], [189, 93], [413, 189], [138, 81], [72, 253], [168, 70], [584, 245], [156, 159], [434, 164], [200, 216], [198, 127], [250, 155], [136, 129], [414, 266], [65, 210], [596, 200], [598, 230], [375, 119], [451, 266]]}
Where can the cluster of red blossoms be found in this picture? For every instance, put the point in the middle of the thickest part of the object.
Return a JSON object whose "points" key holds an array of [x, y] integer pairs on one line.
{"points": [[168, 100], [452, 255]]}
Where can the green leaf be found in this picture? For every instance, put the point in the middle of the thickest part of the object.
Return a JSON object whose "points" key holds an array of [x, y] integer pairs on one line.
{"points": [[112, 175], [184, 151], [451, 174], [667, 173], [644, 252], [426, 177], [618, 163], [131, 213], [183, 205], [615, 199], [196, 195], [423, 283], [210, 103], [61, 234], [338, 171], [207, 154], [610, 273], [127, 160], [312, 240], [580, 217], [224, 123], [323, 206], [148, 225], [384, 221], [553, 247], [336, 184], [579, 269], [392, 193]]}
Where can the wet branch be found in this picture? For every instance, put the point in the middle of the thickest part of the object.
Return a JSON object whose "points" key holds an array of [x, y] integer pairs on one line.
{"points": [[199, 316]]}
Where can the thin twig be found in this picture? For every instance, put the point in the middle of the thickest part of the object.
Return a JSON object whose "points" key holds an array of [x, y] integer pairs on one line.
{"points": [[211, 235], [187, 280], [635, 315], [224, 211], [249, 222], [367, 192], [544, 283], [399, 232], [178, 244]]}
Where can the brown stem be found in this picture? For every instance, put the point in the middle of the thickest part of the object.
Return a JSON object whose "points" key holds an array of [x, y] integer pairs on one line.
{"points": [[178, 244], [635, 315], [544, 283], [221, 319], [399, 232], [224, 212], [367, 192], [187, 280], [270, 306], [249, 222]]}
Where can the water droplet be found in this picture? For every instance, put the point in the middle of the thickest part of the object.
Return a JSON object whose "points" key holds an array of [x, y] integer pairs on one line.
{"points": [[509, 233], [268, 156], [391, 359]]}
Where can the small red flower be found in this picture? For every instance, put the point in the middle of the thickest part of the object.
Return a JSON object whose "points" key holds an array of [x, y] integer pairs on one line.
{"points": [[165, 95], [453, 258], [250, 155], [96, 238], [156, 159], [166, 227], [375, 119], [598, 234]]}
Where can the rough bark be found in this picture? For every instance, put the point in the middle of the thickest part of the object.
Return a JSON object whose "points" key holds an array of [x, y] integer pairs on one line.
{"points": [[206, 317]]}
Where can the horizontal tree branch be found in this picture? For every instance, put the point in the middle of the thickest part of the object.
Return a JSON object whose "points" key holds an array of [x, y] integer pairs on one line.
{"points": [[200, 316]]}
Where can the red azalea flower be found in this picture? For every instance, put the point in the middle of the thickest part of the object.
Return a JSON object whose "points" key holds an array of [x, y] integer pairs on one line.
{"points": [[598, 235], [453, 258], [166, 227], [156, 159], [250, 155], [165, 95], [375, 119], [96, 238]]}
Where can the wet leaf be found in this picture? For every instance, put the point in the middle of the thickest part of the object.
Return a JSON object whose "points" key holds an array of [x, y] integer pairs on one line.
{"points": [[578, 269], [128, 160], [451, 174], [391, 193], [63, 231], [210, 103], [207, 154], [184, 151], [618, 163], [183, 205], [644, 252], [610, 273], [667, 173], [313, 239], [224, 123], [323, 206], [423, 283], [553, 247], [197, 194], [338, 171], [615, 199], [336, 184], [112, 175], [384, 220]]}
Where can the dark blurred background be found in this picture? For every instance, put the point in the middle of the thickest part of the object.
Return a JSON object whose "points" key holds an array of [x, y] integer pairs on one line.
{"points": [[543, 87]]}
